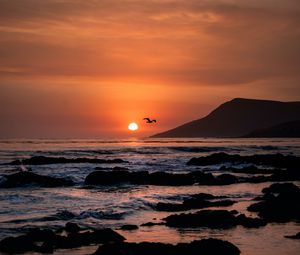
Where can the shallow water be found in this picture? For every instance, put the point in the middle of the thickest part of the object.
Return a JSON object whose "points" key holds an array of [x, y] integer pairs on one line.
{"points": [[21, 208]]}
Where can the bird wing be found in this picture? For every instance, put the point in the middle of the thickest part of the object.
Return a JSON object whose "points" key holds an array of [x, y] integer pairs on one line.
{"points": [[154, 121], [146, 119]]}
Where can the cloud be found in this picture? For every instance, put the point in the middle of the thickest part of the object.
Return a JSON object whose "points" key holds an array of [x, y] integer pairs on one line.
{"points": [[192, 42]]}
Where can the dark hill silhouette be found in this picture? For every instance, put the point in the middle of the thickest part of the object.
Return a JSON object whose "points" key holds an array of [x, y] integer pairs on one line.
{"points": [[287, 129], [238, 117]]}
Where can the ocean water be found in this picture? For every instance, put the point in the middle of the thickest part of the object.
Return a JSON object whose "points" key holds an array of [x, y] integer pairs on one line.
{"points": [[114, 206]]}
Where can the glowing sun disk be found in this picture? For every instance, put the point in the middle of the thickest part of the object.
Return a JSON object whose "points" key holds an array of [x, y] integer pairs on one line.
{"points": [[133, 126]]}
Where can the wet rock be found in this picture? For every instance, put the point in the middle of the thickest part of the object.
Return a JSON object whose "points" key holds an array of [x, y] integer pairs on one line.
{"points": [[99, 236], [116, 168], [129, 227], [252, 169], [42, 160], [204, 178], [114, 177], [46, 247], [170, 207], [196, 201], [20, 244], [72, 227], [203, 247], [28, 178], [220, 219], [275, 160], [280, 203], [290, 174], [250, 222], [51, 241], [38, 235], [60, 215], [205, 218], [151, 224], [255, 179], [164, 178], [156, 178], [26, 243], [297, 236], [281, 188], [205, 196], [226, 179]]}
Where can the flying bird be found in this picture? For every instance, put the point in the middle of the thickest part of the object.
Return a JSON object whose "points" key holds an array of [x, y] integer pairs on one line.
{"points": [[149, 121]]}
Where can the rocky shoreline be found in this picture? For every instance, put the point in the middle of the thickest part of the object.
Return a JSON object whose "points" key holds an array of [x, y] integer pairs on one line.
{"points": [[279, 203]]}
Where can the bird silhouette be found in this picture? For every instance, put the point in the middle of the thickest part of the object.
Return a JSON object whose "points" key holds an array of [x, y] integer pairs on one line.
{"points": [[149, 121]]}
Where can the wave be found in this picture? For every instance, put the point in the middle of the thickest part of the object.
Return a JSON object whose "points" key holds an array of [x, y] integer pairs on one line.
{"points": [[74, 152], [108, 214], [66, 215], [201, 149], [42, 160], [228, 149], [102, 215]]}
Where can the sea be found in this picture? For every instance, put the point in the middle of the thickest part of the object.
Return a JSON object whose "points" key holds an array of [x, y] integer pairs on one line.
{"points": [[114, 206]]}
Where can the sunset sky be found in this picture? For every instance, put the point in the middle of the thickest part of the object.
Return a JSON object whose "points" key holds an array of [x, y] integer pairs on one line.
{"points": [[87, 68]]}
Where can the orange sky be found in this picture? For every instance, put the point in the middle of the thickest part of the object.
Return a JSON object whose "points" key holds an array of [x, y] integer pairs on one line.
{"points": [[86, 68]]}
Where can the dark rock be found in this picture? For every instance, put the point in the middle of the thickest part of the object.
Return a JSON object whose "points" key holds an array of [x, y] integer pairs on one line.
{"points": [[75, 240], [114, 177], [46, 247], [226, 179], [169, 207], [72, 227], [290, 174], [60, 215], [196, 201], [89, 237], [39, 235], [275, 160], [129, 227], [20, 244], [249, 170], [28, 178], [52, 241], [27, 242], [151, 224], [156, 178], [255, 179], [205, 218], [215, 158], [281, 188], [203, 247], [42, 160], [116, 168], [204, 196], [279, 204], [297, 236], [221, 219], [204, 178], [161, 178], [250, 222]]}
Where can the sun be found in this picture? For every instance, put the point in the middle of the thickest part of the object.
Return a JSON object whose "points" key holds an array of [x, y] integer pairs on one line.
{"points": [[133, 126]]}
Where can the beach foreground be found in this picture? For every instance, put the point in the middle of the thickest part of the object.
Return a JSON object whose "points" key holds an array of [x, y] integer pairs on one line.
{"points": [[152, 196]]}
